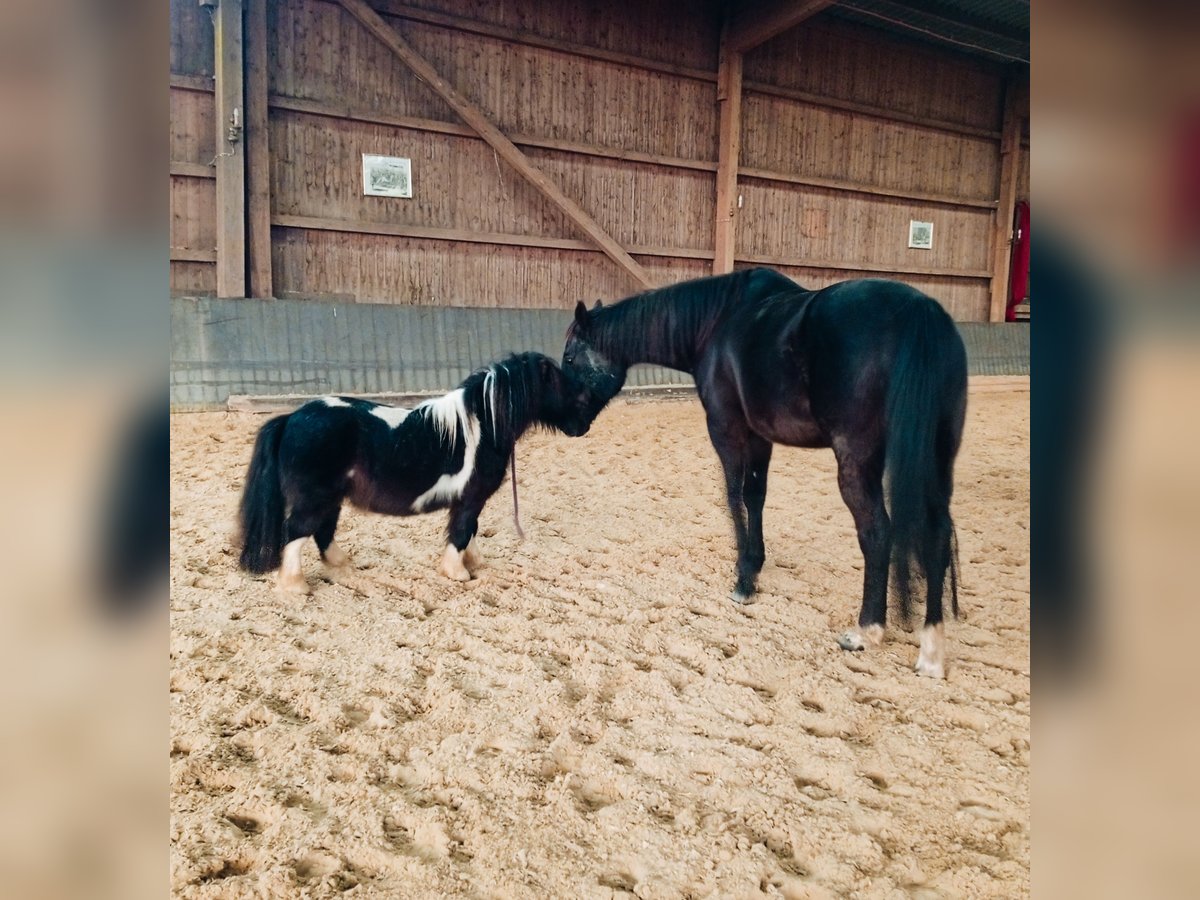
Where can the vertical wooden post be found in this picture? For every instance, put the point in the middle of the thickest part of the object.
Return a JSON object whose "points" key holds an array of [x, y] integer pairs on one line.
{"points": [[231, 160], [1010, 170], [729, 98], [258, 158]]}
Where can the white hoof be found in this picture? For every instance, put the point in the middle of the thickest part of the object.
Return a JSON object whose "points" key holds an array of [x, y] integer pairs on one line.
{"points": [[931, 662], [741, 599], [452, 565], [861, 638], [471, 557], [292, 584]]}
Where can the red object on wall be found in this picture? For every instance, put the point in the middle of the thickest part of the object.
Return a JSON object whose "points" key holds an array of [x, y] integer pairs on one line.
{"points": [[1018, 278]]}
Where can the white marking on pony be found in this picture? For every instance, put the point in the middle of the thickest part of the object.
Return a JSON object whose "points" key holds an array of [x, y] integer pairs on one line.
{"points": [[291, 573], [489, 389], [334, 401], [470, 555], [931, 662], [393, 415], [335, 557], [446, 414], [452, 565], [861, 638]]}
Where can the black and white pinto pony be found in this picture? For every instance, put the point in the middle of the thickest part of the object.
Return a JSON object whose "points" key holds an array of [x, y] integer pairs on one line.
{"points": [[451, 451], [874, 369]]}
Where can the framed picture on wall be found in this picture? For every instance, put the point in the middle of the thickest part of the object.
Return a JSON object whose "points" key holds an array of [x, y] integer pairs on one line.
{"points": [[920, 235], [387, 176]]}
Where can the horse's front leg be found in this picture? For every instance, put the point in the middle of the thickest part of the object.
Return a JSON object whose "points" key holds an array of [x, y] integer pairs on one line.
{"points": [[461, 555], [730, 442], [861, 484], [754, 494]]}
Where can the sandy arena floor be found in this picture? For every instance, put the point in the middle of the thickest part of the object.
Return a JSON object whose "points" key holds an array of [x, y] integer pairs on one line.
{"points": [[591, 717]]}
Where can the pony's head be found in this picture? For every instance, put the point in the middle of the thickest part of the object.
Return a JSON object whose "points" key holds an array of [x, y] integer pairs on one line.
{"points": [[583, 361], [528, 389]]}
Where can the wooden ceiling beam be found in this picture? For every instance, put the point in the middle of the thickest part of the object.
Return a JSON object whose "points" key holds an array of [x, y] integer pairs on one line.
{"points": [[753, 25], [507, 150]]}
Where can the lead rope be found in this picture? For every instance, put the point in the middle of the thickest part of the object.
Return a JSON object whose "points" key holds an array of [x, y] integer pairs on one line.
{"points": [[516, 509]]}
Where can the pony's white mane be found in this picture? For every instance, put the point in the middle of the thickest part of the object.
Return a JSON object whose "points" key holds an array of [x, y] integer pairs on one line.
{"points": [[446, 414], [489, 389]]}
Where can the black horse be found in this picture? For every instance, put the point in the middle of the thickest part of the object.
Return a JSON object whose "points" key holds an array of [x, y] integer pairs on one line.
{"points": [[874, 369], [451, 451]]}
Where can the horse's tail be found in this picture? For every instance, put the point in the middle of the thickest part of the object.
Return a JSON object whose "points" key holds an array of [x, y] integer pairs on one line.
{"points": [[926, 405], [261, 512]]}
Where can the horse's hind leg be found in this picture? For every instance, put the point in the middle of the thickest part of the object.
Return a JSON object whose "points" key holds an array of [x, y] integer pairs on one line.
{"points": [[861, 484], [931, 662], [333, 555]]}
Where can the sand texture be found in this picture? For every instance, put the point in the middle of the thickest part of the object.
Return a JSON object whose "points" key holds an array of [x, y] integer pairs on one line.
{"points": [[591, 716]]}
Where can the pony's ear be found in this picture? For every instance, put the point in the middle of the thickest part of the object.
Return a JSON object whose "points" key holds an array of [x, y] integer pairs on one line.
{"points": [[581, 316], [597, 305]]}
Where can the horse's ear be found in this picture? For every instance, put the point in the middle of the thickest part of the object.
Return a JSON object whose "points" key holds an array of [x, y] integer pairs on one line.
{"points": [[581, 315], [597, 305]]}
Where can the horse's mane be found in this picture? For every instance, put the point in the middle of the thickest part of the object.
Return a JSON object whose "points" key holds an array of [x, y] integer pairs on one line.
{"points": [[506, 395], [669, 323]]}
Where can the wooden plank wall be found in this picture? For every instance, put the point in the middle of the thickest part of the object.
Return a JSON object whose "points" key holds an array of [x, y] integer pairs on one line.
{"points": [[952, 155], [193, 143], [847, 135]]}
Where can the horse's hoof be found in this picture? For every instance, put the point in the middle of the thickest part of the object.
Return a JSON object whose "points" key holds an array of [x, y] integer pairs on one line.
{"points": [[741, 599], [861, 638], [931, 659], [929, 670], [851, 640]]}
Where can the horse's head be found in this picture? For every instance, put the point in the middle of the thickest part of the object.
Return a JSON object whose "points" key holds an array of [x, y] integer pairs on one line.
{"points": [[582, 361]]}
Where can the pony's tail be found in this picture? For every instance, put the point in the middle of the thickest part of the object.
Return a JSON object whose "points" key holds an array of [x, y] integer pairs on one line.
{"points": [[261, 512], [926, 404]]}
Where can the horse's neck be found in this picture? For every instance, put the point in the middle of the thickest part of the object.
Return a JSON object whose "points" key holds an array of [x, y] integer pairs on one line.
{"points": [[663, 329]]}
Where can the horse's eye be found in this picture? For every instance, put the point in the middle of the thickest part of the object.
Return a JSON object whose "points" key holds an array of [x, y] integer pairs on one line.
{"points": [[569, 358]]}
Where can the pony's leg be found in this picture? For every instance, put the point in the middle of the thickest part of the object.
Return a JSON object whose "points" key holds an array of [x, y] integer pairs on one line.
{"points": [[931, 662], [730, 441], [333, 555], [861, 484], [754, 493], [302, 522], [464, 521], [472, 558]]}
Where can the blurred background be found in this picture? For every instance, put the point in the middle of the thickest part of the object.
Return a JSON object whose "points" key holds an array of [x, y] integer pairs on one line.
{"points": [[84, 649]]}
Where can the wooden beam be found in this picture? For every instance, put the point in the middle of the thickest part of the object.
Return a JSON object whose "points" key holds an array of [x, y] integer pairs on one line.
{"points": [[193, 170], [1010, 170], [230, 159], [753, 25], [464, 235], [478, 120], [855, 187], [200, 83], [345, 113], [186, 254], [877, 112], [258, 157], [729, 140], [399, 10]]}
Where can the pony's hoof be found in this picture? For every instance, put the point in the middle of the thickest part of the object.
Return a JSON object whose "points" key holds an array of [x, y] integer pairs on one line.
{"points": [[452, 565], [741, 599], [292, 584], [861, 638], [928, 669]]}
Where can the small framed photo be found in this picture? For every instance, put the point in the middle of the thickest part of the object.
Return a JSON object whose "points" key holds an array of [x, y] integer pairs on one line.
{"points": [[920, 235], [386, 176]]}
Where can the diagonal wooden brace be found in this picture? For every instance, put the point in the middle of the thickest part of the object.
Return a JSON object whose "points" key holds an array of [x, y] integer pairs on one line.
{"points": [[478, 120]]}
